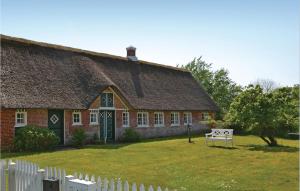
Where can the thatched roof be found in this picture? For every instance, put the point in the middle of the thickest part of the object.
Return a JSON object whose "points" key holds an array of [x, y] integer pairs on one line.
{"points": [[41, 75]]}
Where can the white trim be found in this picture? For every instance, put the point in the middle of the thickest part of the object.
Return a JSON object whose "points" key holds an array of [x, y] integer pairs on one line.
{"points": [[118, 97], [205, 116], [163, 119], [147, 118], [107, 108], [175, 124], [107, 92], [64, 126], [93, 113], [80, 121], [128, 119], [24, 116], [188, 113]]}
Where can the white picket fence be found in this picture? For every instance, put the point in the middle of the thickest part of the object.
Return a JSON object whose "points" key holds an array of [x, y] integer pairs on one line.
{"points": [[27, 176]]}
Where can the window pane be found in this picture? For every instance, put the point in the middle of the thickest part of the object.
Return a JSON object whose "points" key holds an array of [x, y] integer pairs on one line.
{"points": [[107, 100], [20, 118]]}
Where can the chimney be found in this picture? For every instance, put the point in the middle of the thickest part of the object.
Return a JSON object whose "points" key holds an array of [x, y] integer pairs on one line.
{"points": [[131, 53]]}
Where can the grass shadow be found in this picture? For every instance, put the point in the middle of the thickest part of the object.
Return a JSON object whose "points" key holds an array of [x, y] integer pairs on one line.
{"points": [[223, 147], [265, 148]]}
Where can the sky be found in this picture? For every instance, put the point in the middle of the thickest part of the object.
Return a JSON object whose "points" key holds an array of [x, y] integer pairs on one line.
{"points": [[252, 39]]}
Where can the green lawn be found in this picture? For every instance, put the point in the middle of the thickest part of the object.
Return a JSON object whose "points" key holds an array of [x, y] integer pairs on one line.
{"points": [[185, 166]]}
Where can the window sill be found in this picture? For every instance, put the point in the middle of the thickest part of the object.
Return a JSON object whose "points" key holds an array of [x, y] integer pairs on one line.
{"points": [[20, 125], [175, 125], [127, 126], [76, 124], [142, 126], [159, 126], [94, 124]]}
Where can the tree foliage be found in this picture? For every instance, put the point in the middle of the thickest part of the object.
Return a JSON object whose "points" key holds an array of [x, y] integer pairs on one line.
{"points": [[266, 114], [216, 83]]}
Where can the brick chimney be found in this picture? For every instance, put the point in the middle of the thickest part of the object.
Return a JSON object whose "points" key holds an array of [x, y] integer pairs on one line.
{"points": [[131, 53]]}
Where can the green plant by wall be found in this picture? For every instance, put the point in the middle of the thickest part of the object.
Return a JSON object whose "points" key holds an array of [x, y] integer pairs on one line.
{"points": [[34, 138], [130, 135], [78, 137]]}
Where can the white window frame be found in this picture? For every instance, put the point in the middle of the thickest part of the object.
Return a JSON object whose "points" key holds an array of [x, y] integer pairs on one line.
{"points": [[143, 119], [161, 114], [189, 117], [24, 116], [127, 116], [93, 113], [178, 121], [76, 123], [205, 116]]}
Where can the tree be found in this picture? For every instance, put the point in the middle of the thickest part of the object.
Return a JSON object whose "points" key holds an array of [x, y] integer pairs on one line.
{"points": [[266, 84], [266, 114], [216, 83]]}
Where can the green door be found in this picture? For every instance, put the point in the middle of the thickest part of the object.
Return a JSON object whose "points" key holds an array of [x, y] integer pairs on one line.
{"points": [[56, 123], [107, 125]]}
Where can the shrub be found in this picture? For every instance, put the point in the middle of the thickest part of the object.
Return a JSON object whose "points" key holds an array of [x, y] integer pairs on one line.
{"points": [[96, 139], [78, 137], [34, 138], [130, 135]]}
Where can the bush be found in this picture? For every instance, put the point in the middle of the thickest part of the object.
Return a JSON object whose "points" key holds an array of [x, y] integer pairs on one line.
{"points": [[34, 138], [78, 137], [130, 135], [96, 139]]}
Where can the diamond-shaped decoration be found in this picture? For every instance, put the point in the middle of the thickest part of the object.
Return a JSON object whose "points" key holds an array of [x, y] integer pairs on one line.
{"points": [[54, 119]]}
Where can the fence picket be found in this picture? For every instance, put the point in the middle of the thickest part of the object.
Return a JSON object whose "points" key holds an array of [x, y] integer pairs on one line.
{"points": [[99, 184], [133, 188], [28, 177], [126, 186], [142, 187], [119, 185], [112, 185], [150, 188]]}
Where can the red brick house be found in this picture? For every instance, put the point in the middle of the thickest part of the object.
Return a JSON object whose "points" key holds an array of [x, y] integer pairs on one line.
{"points": [[64, 88]]}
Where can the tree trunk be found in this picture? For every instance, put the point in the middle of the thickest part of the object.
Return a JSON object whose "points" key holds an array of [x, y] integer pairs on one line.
{"points": [[271, 141], [266, 140]]}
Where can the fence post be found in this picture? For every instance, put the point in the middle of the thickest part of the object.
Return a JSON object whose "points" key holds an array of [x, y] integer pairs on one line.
{"points": [[67, 179], [11, 176], [2, 174], [41, 177]]}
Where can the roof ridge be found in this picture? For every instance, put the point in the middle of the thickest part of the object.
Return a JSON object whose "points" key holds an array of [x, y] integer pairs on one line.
{"points": [[78, 50]]}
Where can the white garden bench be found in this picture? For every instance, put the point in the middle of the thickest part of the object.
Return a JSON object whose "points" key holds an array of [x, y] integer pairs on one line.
{"points": [[220, 135]]}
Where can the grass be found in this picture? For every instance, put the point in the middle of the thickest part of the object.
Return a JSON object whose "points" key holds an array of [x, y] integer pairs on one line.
{"points": [[177, 164]]}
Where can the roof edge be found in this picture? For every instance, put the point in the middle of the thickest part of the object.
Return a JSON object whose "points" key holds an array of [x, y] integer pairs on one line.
{"points": [[78, 50]]}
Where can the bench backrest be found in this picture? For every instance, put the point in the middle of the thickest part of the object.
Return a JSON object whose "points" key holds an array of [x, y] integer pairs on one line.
{"points": [[222, 132]]}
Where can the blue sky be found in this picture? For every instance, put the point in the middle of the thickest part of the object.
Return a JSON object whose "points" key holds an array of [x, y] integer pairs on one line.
{"points": [[251, 38]]}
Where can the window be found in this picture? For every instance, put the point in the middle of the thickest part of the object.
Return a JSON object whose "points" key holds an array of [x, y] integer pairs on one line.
{"points": [[187, 118], [142, 119], [76, 118], [205, 116], [93, 117], [107, 100], [21, 118], [125, 118], [158, 119], [174, 119]]}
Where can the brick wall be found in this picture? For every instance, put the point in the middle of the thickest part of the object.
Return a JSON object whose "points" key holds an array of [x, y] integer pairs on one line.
{"points": [[37, 117], [7, 123], [85, 120], [167, 130]]}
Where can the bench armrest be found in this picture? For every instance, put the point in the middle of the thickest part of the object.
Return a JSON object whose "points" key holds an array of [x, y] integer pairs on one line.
{"points": [[207, 134]]}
